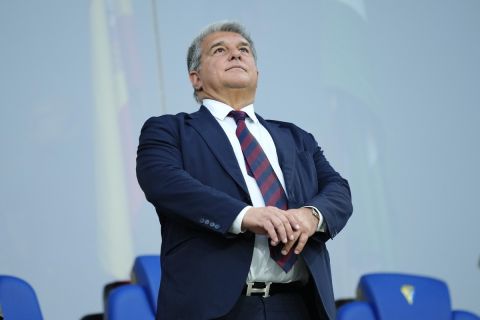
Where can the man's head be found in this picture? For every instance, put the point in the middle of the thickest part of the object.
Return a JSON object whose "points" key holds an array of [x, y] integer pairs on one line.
{"points": [[221, 63]]}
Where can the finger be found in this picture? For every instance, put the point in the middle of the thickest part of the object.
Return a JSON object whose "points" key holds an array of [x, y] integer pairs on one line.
{"points": [[288, 227], [293, 221], [289, 245], [302, 240], [272, 234], [280, 228], [290, 223]]}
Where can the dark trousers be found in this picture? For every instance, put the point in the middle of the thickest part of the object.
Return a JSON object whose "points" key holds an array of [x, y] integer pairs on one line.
{"points": [[284, 306]]}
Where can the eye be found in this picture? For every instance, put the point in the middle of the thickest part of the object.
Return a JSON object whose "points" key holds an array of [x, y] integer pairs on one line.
{"points": [[245, 49], [219, 50]]}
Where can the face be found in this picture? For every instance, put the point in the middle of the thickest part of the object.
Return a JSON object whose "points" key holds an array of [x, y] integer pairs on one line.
{"points": [[227, 66]]}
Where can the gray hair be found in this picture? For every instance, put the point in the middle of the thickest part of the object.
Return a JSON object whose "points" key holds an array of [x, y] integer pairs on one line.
{"points": [[194, 53]]}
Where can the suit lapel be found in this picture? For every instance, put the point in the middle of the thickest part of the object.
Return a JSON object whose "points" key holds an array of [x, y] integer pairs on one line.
{"points": [[284, 144], [214, 136]]}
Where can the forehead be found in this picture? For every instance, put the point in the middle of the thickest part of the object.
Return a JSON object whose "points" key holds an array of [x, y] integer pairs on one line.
{"points": [[222, 37]]}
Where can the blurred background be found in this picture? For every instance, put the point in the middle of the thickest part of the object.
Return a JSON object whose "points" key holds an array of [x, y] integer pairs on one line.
{"points": [[390, 89]]}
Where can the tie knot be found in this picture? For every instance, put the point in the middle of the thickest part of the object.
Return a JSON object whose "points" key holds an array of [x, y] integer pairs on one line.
{"points": [[238, 115]]}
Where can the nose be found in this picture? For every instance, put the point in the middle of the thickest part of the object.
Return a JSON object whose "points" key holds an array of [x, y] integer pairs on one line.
{"points": [[235, 54]]}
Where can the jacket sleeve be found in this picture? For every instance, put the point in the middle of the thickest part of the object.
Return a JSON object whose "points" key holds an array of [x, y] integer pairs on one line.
{"points": [[172, 190], [333, 199]]}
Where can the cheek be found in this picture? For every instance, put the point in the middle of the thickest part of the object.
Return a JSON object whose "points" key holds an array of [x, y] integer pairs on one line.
{"points": [[215, 75]]}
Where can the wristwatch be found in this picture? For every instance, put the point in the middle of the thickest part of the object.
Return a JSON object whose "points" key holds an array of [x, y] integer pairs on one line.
{"points": [[315, 213]]}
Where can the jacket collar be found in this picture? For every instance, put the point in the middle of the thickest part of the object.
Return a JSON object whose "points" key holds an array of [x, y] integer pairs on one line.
{"points": [[216, 139], [214, 136]]}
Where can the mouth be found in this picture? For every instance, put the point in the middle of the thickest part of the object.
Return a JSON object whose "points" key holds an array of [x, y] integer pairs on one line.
{"points": [[235, 67]]}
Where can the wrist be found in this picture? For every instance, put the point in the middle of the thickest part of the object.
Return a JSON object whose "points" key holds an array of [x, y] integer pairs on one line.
{"points": [[315, 214], [314, 217]]}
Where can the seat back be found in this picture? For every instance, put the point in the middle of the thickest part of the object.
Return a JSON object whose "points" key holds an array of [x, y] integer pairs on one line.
{"points": [[464, 315], [401, 296], [146, 273], [128, 302], [18, 299], [357, 310]]}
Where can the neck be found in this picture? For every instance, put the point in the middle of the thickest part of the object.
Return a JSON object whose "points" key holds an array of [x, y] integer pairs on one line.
{"points": [[237, 99]]}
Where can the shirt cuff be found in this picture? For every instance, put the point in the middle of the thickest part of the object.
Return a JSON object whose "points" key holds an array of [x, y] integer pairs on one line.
{"points": [[321, 222], [236, 227]]}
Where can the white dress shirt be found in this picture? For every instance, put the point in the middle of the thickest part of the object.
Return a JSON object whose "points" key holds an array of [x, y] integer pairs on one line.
{"points": [[262, 267]]}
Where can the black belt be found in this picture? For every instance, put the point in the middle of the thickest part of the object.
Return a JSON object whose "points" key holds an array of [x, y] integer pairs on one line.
{"points": [[267, 289]]}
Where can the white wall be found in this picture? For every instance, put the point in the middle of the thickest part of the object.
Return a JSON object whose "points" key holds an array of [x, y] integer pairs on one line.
{"points": [[390, 90]]}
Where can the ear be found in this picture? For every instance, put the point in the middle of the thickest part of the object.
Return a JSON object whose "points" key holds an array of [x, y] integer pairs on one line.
{"points": [[195, 80]]}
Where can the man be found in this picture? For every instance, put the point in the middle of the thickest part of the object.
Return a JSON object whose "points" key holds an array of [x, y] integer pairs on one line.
{"points": [[245, 205]]}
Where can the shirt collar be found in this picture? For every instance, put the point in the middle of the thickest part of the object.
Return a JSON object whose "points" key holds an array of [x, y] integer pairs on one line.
{"points": [[221, 110]]}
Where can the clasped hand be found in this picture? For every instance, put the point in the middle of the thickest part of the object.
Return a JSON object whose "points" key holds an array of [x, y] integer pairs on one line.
{"points": [[286, 227]]}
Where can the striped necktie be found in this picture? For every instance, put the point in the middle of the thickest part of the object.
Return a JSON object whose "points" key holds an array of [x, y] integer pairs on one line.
{"points": [[260, 168]]}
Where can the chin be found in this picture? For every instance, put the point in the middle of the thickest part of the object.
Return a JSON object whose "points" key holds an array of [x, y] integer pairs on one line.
{"points": [[240, 84]]}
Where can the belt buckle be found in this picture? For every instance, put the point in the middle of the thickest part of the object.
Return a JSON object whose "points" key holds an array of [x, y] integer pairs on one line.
{"points": [[265, 291]]}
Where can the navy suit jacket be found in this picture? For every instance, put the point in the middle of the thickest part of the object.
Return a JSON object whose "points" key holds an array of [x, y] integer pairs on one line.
{"points": [[188, 171]]}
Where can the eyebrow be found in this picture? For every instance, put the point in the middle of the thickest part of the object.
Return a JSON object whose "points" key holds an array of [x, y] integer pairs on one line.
{"points": [[222, 43]]}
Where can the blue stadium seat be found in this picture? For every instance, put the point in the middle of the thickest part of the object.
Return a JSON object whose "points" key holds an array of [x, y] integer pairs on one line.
{"points": [[401, 296], [146, 273], [128, 302], [137, 299], [18, 300], [393, 296], [357, 310], [464, 315]]}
